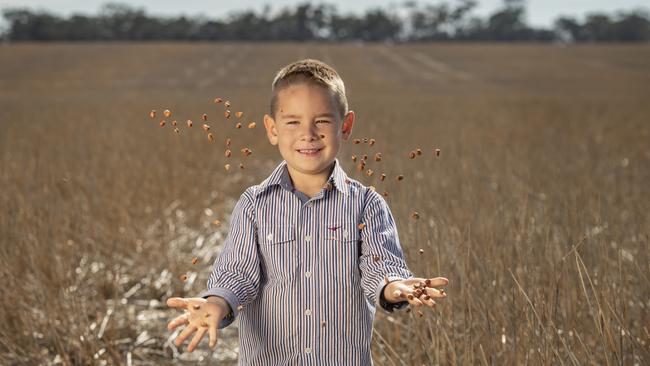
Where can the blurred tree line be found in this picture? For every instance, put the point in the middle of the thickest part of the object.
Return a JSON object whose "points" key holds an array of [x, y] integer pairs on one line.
{"points": [[411, 21]]}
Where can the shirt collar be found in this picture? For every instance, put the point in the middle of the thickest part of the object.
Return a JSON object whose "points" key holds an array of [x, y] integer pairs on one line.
{"points": [[280, 176]]}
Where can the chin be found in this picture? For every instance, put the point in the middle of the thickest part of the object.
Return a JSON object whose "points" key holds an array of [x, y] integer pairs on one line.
{"points": [[314, 167]]}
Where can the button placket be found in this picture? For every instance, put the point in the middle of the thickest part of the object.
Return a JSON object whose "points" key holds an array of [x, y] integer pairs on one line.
{"points": [[308, 240], [307, 250]]}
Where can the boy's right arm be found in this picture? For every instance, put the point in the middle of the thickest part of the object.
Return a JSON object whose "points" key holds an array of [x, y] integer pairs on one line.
{"points": [[235, 274]]}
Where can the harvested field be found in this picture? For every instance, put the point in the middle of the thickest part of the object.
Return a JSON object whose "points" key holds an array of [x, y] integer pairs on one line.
{"points": [[536, 209]]}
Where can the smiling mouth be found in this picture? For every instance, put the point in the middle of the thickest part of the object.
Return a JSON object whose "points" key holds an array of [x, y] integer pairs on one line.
{"points": [[309, 152]]}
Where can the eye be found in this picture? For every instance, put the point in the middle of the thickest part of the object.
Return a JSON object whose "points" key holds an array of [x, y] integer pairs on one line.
{"points": [[322, 121], [292, 122]]}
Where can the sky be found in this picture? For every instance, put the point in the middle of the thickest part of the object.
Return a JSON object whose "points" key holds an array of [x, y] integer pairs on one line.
{"points": [[540, 12]]}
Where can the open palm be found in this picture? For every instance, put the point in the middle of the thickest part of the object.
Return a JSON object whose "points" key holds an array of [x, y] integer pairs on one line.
{"points": [[200, 316]]}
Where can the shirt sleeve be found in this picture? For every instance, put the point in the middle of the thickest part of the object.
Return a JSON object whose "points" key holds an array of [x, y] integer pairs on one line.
{"points": [[381, 254], [236, 271]]}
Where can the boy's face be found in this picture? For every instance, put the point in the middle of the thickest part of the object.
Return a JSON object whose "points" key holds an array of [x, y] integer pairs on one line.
{"points": [[307, 128]]}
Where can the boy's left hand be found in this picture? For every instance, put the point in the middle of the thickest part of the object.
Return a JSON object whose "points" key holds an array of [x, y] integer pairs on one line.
{"points": [[417, 291]]}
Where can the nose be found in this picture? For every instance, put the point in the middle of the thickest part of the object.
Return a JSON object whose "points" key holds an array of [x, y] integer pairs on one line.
{"points": [[309, 132]]}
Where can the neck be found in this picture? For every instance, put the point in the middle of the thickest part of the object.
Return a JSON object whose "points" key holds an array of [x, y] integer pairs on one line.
{"points": [[309, 184]]}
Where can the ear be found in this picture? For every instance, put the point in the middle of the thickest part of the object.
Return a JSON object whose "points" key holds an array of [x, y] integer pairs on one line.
{"points": [[271, 130], [348, 122]]}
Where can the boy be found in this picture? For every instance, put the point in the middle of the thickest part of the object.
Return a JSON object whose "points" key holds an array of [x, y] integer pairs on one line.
{"points": [[309, 250]]}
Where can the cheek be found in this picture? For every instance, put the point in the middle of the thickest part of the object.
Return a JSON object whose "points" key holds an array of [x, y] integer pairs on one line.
{"points": [[286, 140], [329, 130]]}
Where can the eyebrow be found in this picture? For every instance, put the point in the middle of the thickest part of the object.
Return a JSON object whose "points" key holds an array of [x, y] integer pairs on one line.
{"points": [[327, 114]]}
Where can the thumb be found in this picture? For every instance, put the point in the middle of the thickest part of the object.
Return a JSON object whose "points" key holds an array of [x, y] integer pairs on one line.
{"points": [[213, 335], [177, 302]]}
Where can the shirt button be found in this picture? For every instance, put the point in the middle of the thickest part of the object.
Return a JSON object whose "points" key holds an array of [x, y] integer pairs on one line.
{"points": [[308, 274], [308, 312], [308, 350], [269, 237], [309, 204], [308, 238]]}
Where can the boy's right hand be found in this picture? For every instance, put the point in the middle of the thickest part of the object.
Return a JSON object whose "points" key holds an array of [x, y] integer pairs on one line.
{"points": [[201, 316]]}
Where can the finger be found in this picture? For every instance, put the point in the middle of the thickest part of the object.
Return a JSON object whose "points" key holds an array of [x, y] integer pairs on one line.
{"points": [[213, 335], [184, 334], [435, 292], [427, 300], [197, 338], [413, 300], [179, 320], [177, 302], [436, 282]]}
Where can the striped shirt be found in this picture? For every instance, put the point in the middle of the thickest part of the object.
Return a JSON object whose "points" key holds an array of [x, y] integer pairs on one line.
{"points": [[307, 274]]}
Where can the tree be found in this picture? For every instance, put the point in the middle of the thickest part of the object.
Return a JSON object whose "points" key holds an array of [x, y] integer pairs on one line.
{"points": [[120, 20], [379, 26], [569, 29], [308, 22], [345, 27], [430, 23], [25, 25], [508, 23], [633, 26], [598, 27]]}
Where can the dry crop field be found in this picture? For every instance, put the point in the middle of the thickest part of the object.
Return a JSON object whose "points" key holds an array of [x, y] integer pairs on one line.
{"points": [[536, 209]]}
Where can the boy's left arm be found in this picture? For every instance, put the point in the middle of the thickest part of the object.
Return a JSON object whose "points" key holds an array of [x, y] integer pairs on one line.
{"points": [[381, 253]]}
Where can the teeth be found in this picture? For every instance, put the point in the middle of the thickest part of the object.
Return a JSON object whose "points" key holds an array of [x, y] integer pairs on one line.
{"points": [[309, 151]]}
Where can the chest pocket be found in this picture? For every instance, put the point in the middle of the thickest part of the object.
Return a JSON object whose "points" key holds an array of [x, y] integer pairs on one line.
{"points": [[278, 249], [341, 250]]}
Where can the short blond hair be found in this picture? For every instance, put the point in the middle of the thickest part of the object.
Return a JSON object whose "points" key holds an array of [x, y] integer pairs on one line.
{"points": [[313, 72]]}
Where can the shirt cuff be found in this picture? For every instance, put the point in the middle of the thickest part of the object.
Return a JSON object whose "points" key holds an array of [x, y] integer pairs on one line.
{"points": [[230, 298], [388, 306]]}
